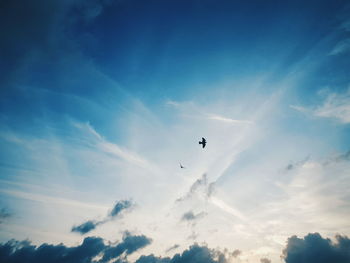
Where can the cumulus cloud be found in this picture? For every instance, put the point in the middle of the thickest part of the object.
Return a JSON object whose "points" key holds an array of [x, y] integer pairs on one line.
{"points": [[311, 248], [118, 209], [315, 248], [85, 227], [188, 216], [335, 106], [129, 245], [152, 259], [93, 249], [199, 254], [194, 254], [120, 206], [23, 251]]}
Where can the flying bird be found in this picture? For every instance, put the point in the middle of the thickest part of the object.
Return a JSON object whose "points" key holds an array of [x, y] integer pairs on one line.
{"points": [[182, 167], [203, 142]]}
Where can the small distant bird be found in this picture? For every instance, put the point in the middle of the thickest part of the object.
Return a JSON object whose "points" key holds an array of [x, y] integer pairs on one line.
{"points": [[182, 167], [203, 142]]}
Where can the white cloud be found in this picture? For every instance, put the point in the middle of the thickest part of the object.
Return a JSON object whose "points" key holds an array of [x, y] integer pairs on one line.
{"points": [[54, 200], [247, 211], [299, 108], [116, 150], [336, 106], [228, 120], [191, 110], [228, 209], [341, 47]]}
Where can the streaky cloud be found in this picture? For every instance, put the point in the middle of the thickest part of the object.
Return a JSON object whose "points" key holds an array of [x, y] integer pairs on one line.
{"points": [[172, 248], [114, 149], [343, 45], [228, 120], [227, 208], [47, 199], [335, 106]]}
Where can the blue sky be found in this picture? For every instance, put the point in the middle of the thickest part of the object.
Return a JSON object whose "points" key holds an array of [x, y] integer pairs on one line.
{"points": [[101, 100]]}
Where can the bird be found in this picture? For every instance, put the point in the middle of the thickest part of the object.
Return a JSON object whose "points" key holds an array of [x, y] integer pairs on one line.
{"points": [[203, 142], [182, 167]]}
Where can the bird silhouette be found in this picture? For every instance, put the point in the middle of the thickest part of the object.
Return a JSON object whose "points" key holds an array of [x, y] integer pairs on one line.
{"points": [[203, 142], [182, 167]]}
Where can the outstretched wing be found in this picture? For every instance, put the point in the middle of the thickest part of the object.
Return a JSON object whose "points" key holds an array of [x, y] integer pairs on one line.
{"points": [[204, 142]]}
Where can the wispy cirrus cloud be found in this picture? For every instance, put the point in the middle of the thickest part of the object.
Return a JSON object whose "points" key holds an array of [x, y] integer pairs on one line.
{"points": [[114, 149], [228, 120], [343, 45], [335, 106], [191, 110], [321, 184], [47, 199]]}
